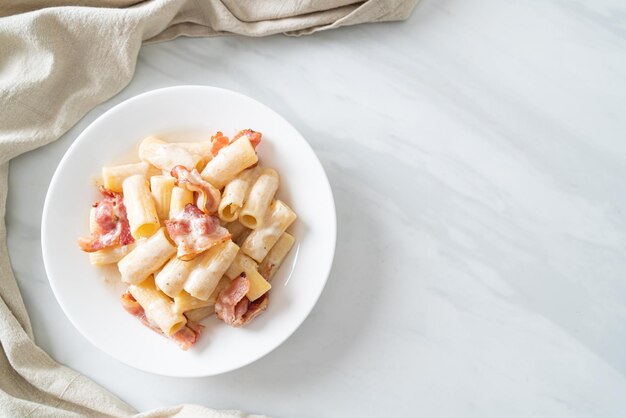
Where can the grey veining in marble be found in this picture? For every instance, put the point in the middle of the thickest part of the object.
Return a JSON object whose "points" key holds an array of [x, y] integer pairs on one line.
{"points": [[477, 154]]}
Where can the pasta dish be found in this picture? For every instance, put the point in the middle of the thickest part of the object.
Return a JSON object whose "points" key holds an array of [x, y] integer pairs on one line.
{"points": [[195, 228]]}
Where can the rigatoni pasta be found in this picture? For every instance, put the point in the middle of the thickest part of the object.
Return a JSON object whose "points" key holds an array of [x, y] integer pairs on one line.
{"points": [[272, 261], [259, 199], [157, 306], [240, 264], [110, 255], [209, 270], [180, 198], [114, 176], [147, 258], [172, 276], [230, 161], [260, 241], [235, 193], [140, 208], [161, 188], [187, 243], [166, 156]]}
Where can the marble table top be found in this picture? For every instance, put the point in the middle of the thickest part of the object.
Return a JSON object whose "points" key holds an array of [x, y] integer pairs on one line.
{"points": [[477, 154]]}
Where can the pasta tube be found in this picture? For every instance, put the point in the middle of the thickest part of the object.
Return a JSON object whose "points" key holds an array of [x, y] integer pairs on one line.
{"points": [[146, 258], [165, 156], [184, 302], [259, 199], [272, 261], [201, 149], [235, 193], [114, 176], [159, 309], [179, 199], [110, 255], [211, 267], [230, 161], [173, 275], [140, 208], [161, 188], [240, 264], [277, 219], [258, 285]]}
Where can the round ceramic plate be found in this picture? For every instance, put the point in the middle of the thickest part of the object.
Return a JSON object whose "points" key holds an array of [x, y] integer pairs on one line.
{"points": [[90, 296]]}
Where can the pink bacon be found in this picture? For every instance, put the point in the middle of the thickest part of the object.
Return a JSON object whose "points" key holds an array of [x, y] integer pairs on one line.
{"points": [[195, 232], [234, 308], [112, 227], [208, 196], [185, 337]]}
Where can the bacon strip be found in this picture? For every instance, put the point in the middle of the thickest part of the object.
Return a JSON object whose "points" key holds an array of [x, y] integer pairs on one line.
{"points": [[112, 224], [234, 308], [208, 196], [253, 136], [195, 232], [185, 337], [219, 141]]}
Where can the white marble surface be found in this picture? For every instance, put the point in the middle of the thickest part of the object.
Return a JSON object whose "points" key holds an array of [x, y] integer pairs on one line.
{"points": [[477, 154]]}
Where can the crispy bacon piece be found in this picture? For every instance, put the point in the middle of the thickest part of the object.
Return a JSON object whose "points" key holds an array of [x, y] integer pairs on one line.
{"points": [[234, 308], [112, 227], [208, 196], [185, 337], [253, 136], [195, 232], [219, 141]]}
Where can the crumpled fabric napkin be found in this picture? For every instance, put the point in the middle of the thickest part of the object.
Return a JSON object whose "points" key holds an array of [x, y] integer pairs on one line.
{"points": [[59, 59]]}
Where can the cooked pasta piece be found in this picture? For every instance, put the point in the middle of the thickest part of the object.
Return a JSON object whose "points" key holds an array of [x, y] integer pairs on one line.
{"points": [[161, 189], [173, 275], [277, 219], [166, 155], [272, 261], [230, 161], [235, 193], [208, 196], [140, 207], [110, 255], [259, 199], [211, 267], [114, 176], [242, 263], [258, 285], [200, 149], [159, 309], [180, 198], [185, 337], [146, 258], [253, 136], [184, 302]]}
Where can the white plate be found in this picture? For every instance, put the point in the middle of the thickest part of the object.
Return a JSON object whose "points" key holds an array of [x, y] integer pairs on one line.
{"points": [[90, 297]]}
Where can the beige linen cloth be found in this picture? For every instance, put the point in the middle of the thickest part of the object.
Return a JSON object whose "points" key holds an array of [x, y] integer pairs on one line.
{"points": [[58, 59]]}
